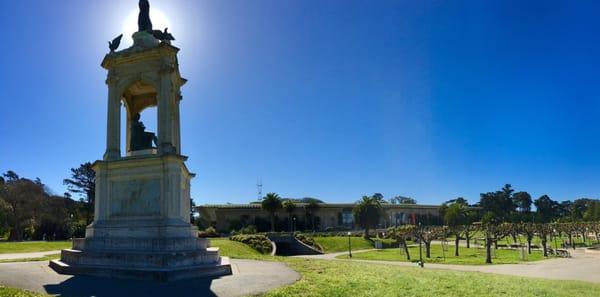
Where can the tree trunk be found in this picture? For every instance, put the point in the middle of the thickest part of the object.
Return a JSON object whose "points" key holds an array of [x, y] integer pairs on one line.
{"points": [[428, 249], [15, 234], [571, 240], [456, 243], [496, 244], [544, 246], [468, 236], [406, 250], [488, 250], [529, 244], [514, 238], [366, 235], [273, 222]]}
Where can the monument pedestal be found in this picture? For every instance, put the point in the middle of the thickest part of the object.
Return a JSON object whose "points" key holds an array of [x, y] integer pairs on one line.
{"points": [[140, 231]]}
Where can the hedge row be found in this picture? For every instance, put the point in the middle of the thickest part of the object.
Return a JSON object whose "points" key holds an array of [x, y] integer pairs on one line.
{"points": [[258, 242]]}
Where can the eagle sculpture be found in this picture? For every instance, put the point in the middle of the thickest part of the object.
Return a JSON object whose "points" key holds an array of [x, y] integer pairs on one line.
{"points": [[114, 44]]}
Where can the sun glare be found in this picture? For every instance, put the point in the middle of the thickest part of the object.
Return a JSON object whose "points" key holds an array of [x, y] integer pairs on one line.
{"points": [[130, 26]]}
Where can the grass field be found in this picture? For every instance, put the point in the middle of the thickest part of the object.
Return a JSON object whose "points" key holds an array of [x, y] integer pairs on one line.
{"points": [[32, 246], [334, 244], [347, 278], [338, 278], [238, 250], [45, 258], [472, 256], [10, 292]]}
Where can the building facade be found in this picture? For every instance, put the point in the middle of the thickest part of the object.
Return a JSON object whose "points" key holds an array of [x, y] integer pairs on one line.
{"points": [[326, 217]]}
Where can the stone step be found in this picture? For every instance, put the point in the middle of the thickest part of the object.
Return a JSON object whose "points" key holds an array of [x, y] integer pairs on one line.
{"points": [[221, 268], [140, 259]]}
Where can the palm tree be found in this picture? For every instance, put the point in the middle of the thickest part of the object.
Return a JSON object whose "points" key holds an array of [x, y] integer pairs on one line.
{"points": [[289, 206], [367, 213], [271, 203]]}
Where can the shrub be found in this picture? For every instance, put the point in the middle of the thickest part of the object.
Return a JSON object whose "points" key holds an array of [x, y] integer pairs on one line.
{"points": [[308, 241], [250, 229], [208, 232], [258, 242]]}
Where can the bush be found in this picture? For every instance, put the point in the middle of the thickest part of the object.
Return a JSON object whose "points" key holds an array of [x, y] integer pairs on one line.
{"points": [[258, 242], [208, 232], [308, 241], [250, 229]]}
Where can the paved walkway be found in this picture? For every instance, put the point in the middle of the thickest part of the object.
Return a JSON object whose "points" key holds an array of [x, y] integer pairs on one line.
{"points": [[249, 278], [582, 266], [27, 255]]}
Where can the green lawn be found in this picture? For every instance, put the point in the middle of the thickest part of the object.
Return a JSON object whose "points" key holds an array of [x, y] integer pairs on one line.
{"points": [[234, 249], [332, 244], [10, 292], [32, 246], [46, 258], [472, 256], [341, 278], [338, 278]]}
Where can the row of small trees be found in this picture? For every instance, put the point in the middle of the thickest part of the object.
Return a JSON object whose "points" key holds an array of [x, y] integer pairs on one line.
{"points": [[493, 232]]}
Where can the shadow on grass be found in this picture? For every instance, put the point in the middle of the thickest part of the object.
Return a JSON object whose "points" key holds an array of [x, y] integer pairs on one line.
{"points": [[106, 287]]}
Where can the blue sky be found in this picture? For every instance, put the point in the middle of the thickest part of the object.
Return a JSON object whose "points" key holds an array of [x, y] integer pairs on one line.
{"points": [[329, 99]]}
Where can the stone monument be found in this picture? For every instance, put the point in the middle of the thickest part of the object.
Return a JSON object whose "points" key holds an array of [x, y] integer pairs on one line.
{"points": [[141, 226]]}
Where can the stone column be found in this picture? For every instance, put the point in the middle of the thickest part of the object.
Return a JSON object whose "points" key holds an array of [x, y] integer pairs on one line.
{"points": [[176, 127], [113, 130], [165, 112]]}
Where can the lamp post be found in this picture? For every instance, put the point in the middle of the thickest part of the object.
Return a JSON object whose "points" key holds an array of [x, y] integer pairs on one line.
{"points": [[349, 245], [421, 250]]}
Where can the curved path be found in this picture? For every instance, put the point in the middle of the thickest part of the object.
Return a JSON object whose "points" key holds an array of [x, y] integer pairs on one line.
{"points": [[582, 266], [27, 255], [249, 278]]}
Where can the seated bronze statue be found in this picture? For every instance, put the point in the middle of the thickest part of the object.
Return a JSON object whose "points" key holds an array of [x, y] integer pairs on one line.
{"points": [[140, 139]]}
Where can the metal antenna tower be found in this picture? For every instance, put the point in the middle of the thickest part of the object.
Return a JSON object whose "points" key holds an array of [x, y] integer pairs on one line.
{"points": [[259, 188]]}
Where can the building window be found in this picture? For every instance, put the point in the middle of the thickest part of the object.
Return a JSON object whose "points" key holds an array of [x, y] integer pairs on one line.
{"points": [[347, 217]]}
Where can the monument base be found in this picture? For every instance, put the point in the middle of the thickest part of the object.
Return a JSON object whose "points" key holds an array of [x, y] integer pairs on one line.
{"points": [[222, 268], [159, 259]]}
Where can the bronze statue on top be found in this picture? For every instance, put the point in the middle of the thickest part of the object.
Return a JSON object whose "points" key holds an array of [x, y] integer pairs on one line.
{"points": [[144, 22]]}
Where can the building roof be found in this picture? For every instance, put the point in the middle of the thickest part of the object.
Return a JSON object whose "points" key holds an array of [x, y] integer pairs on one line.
{"points": [[321, 205]]}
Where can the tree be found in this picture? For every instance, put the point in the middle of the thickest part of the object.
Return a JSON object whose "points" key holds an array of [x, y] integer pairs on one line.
{"points": [[499, 203], [5, 211], [401, 234], [543, 230], [271, 203], [289, 206], [522, 200], [528, 229], [82, 181], [403, 200], [367, 213], [593, 211], [455, 219], [546, 209], [25, 198], [311, 209], [494, 230], [427, 234]]}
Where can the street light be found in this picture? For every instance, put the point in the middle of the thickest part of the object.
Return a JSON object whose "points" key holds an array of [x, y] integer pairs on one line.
{"points": [[293, 224], [421, 250], [349, 245]]}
